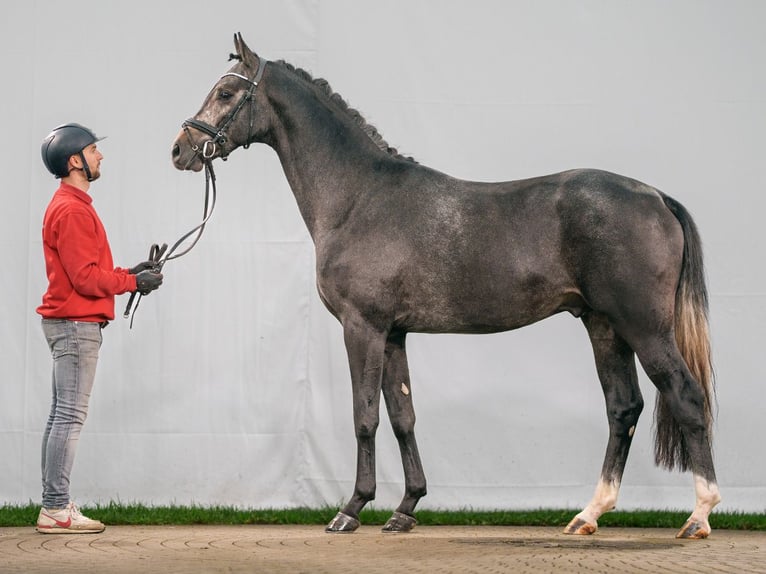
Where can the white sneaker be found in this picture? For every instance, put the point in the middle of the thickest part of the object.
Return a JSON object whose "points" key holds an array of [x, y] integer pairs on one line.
{"points": [[67, 520]]}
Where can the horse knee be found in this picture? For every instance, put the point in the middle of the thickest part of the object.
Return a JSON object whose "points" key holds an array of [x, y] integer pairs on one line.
{"points": [[366, 429], [403, 426]]}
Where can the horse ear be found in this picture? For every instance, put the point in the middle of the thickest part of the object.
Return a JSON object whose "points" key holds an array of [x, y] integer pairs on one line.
{"points": [[246, 55]]}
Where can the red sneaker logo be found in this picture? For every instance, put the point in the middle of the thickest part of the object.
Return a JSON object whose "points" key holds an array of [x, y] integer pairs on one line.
{"points": [[59, 523]]}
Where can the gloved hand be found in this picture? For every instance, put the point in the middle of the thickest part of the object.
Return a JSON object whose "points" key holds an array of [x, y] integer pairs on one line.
{"points": [[147, 281], [143, 266]]}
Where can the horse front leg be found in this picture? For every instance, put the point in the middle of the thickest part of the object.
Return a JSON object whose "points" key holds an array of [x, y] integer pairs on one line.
{"points": [[398, 395], [365, 347], [616, 367]]}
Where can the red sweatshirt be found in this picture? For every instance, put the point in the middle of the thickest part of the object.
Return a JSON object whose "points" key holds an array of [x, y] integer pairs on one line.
{"points": [[82, 279]]}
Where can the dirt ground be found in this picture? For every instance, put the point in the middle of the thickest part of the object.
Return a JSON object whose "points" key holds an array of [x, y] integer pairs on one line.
{"points": [[427, 549]]}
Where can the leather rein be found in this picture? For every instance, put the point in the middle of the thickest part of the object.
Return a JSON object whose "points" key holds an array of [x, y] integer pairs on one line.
{"points": [[161, 255]]}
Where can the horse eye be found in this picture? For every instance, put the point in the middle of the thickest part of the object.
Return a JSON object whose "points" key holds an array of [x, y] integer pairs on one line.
{"points": [[224, 95]]}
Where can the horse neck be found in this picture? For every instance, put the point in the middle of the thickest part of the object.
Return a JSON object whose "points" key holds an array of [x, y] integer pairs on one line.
{"points": [[325, 155]]}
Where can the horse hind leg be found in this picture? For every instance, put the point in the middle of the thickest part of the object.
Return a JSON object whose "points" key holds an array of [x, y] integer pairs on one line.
{"points": [[615, 364], [683, 422], [398, 397]]}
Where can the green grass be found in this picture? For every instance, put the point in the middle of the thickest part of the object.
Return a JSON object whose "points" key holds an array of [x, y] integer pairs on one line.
{"points": [[116, 513]]}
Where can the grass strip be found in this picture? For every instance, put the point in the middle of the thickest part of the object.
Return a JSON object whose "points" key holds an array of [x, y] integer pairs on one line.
{"points": [[117, 513]]}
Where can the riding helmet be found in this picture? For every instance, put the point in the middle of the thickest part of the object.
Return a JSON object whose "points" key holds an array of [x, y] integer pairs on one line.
{"points": [[62, 143]]}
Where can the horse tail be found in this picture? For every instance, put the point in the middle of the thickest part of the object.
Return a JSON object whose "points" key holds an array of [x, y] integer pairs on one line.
{"points": [[693, 339]]}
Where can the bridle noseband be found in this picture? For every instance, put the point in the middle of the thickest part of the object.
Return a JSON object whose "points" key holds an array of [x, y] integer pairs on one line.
{"points": [[218, 134]]}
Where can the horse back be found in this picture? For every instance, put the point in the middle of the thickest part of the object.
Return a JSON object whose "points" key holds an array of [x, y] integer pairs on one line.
{"points": [[430, 253]]}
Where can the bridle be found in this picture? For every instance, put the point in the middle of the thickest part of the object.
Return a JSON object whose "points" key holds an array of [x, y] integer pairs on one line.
{"points": [[161, 255], [218, 134]]}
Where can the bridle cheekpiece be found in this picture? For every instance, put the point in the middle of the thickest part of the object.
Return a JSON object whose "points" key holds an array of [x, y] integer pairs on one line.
{"points": [[218, 134]]}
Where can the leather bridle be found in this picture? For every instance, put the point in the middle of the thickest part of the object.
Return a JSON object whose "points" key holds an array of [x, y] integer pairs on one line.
{"points": [[218, 134], [161, 255]]}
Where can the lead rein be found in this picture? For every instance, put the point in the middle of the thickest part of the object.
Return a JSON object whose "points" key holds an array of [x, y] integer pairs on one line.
{"points": [[156, 252]]}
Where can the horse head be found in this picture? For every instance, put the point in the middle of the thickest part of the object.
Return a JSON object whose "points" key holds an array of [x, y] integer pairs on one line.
{"points": [[227, 119]]}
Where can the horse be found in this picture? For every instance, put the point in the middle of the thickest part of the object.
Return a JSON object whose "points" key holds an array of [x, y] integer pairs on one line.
{"points": [[404, 248]]}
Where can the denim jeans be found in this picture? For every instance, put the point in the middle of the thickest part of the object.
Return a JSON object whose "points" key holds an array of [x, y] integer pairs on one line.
{"points": [[74, 346]]}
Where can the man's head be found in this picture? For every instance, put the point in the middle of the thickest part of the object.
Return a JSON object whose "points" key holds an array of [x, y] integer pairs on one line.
{"points": [[70, 147]]}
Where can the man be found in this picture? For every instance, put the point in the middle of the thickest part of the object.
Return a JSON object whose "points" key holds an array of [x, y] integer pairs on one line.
{"points": [[79, 302]]}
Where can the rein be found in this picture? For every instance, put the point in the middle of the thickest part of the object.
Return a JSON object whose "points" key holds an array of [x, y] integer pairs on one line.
{"points": [[161, 255]]}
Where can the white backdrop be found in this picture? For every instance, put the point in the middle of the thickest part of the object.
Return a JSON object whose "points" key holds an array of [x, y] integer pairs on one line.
{"points": [[232, 387]]}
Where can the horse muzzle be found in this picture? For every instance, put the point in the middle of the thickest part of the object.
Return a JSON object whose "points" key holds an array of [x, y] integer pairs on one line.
{"points": [[187, 155]]}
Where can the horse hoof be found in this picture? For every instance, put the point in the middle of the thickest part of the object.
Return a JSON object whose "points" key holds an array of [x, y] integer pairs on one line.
{"points": [[342, 523], [580, 527], [400, 522], [694, 530]]}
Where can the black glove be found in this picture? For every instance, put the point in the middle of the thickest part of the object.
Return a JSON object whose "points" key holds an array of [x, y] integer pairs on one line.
{"points": [[147, 281], [143, 266]]}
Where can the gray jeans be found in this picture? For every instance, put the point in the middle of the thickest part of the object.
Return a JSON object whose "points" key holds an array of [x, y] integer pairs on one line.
{"points": [[74, 346]]}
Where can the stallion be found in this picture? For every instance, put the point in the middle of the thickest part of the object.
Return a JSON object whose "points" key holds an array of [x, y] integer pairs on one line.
{"points": [[404, 248]]}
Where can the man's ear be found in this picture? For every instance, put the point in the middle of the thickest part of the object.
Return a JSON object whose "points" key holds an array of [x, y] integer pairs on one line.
{"points": [[75, 162]]}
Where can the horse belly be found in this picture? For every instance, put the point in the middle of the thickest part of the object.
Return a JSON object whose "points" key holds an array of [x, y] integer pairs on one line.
{"points": [[488, 304]]}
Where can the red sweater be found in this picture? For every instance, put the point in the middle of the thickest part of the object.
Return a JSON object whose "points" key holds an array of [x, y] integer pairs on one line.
{"points": [[82, 279]]}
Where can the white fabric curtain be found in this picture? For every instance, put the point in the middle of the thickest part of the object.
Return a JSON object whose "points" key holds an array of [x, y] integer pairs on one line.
{"points": [[232, 387]]}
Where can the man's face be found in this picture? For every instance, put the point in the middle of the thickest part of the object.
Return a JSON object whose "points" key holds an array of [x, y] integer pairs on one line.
{"points": [[93, 157]]}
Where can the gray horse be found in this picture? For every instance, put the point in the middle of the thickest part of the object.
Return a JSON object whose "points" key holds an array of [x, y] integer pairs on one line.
{"points": [[404, 248]]}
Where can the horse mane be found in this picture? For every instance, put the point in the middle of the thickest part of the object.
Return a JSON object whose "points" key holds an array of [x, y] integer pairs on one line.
{"points": [[338, 100]]}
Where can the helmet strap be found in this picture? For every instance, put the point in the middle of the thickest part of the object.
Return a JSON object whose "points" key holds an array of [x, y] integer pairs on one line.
{"points": [[85, 167]]}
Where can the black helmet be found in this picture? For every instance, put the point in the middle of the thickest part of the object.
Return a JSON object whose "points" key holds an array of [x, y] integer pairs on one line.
{"points": [[62, 143]]}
